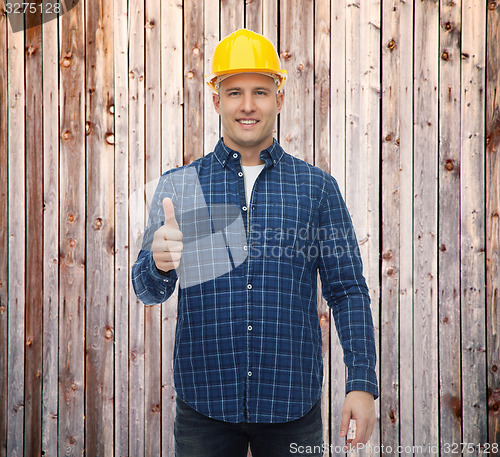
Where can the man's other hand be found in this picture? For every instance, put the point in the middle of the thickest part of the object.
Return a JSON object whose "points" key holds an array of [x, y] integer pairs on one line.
{"points": [[360, 406], [167, 241]]}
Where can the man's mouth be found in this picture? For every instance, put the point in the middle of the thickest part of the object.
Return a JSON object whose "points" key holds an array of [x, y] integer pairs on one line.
{"points": [[247, 121]]}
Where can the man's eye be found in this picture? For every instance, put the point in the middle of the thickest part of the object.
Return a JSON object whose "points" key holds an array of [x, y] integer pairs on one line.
{"points": [[261, 92], [233, 93]]}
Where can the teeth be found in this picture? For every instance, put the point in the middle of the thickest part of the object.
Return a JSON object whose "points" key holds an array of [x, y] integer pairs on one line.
{"points": [[245, 121]]}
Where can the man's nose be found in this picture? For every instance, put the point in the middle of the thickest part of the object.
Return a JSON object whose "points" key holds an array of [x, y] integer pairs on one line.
{"points": [[248, 104]]}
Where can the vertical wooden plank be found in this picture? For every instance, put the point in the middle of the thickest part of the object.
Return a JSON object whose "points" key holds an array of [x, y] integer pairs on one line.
{"points": [[71, 434], [152, 336], [99, 129], [296, 44], [449, 219], [426, 428], [362, 139], [474, 416], [122, 269], [492, 218], [270, 22], [193, 79], [137, 223], [391, 254], [253, 15], [4, 228], [337, 169], [211, 126], [232, 16], [50, 233], [172, 139], [34, 239], [322, 160], [406, 223], [16, 248]]}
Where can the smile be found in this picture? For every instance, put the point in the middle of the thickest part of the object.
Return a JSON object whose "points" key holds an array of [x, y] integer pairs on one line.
{"points": [[247, 121]]}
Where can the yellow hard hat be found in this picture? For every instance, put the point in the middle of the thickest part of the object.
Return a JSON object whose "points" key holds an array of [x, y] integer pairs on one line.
{"points": [[245, 51]]}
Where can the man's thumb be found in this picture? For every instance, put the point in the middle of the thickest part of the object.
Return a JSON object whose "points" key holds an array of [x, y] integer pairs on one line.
{"points": [[168, 209]]}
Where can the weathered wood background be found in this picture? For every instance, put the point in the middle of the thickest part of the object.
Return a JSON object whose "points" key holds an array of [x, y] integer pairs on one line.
{"points": [[399, 100]]}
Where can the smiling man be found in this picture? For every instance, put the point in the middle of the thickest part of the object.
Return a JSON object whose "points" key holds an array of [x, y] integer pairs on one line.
{"points": [[248, 357]]}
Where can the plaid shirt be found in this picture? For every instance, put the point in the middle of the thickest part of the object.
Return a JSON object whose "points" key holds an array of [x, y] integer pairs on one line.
{"points": [[248, 344]]}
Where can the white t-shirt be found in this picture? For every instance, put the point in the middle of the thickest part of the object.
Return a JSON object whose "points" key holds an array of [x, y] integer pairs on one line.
{"points": [[250, 174]]}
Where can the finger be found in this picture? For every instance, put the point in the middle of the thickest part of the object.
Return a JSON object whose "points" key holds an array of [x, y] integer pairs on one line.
{"points": [[344, 423], [168, 209]]}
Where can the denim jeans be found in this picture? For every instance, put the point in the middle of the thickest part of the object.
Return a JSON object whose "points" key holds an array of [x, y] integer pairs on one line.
{"points": [[197, 435]]}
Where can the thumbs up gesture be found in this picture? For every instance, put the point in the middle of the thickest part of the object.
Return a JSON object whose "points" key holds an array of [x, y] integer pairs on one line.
{"points": [[167, 241]]}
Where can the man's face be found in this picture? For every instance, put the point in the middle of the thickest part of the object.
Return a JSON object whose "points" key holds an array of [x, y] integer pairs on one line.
{"points": [[248, 104]]}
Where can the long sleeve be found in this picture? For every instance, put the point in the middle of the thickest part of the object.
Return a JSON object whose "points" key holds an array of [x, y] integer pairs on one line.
{"points": [[150, 285], [344, 288]]}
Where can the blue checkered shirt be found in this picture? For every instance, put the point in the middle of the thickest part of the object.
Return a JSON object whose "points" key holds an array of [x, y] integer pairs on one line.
{"points": [[248, 344]]}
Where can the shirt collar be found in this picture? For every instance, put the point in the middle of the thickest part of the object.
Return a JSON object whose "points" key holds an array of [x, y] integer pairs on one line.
{"points": [[271, 155]]}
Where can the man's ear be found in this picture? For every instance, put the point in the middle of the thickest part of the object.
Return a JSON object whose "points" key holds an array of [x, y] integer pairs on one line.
{"points": [[279, 101], [216, 100]]}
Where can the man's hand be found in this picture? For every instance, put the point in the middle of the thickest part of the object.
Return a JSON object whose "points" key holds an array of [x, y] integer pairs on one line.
{"points": [[167, 241], [360, 406]]}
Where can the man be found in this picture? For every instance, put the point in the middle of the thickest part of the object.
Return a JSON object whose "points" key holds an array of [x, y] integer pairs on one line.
{"points": [[247, 357]]}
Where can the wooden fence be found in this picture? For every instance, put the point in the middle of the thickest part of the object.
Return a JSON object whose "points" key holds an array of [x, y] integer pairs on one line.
{"points": [[399, 100]]}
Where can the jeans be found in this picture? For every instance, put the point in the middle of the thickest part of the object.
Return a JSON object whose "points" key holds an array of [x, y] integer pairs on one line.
{"points": [[197, 435]]}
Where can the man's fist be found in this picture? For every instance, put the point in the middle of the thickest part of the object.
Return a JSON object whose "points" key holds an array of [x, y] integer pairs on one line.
{"points": [[167, 241]]}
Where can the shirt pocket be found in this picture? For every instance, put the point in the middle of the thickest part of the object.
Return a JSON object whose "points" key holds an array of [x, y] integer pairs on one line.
{"points": [[288, 225]]}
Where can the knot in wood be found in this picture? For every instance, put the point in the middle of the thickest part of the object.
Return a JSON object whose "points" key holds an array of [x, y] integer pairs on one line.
{"points": [[110, 138], [492, 6], [71, 243], [286, 55], [388, 137], [30, 51], [449, 165], [66, 62], [189, 75], [196, 51], [150, 24], [390, 271], [71, 218], [67, 135], [445, 55], [391, 45], [29, 342], [88, 128], [111, 109], [108, 333], [448, 26], [98, 224], [300, 67], [387, 255]]}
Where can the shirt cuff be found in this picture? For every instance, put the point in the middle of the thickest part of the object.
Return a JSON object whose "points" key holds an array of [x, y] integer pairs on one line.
{"points": [[362, 379], [157, 275]]}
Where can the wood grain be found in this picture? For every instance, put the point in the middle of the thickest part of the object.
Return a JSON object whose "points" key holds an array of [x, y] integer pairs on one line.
{"points": [[492, 218], [34, 240], [425, 292], [4, 229], [50, 378], [449, 219], [100, 138], [71, 434], [16, 244], [472, 228]]}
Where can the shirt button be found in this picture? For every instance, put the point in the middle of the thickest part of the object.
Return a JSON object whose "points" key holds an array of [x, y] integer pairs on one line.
{"points": [[249, 328], [249, 286], [249, 373], [240, 174], [235, 155], [161, 292], [244, 208], [245, 248]]}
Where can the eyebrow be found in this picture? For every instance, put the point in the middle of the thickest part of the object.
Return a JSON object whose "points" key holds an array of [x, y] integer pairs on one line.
{"points": [[239, 88]]}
